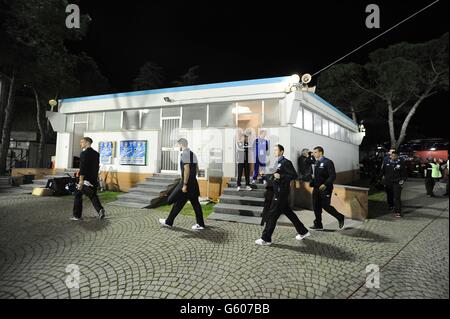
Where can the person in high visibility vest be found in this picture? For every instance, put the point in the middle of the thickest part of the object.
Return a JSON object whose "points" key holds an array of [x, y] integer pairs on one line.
{"points": [[436, 170]]}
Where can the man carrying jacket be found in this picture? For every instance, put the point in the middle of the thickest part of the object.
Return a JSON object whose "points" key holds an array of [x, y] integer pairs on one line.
{"points": [[322, 183], [284, 174]]}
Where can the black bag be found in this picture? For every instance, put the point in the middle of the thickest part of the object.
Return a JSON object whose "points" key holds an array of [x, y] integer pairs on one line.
{"points": [[58, 185]]}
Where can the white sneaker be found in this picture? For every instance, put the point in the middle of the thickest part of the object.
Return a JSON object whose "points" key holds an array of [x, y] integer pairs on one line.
{"points": [[254, 181], [300, 237], [248, 188], [262, 242], [75, 218], [238, 188], [162, 221], [197, 227], [264, 182]]}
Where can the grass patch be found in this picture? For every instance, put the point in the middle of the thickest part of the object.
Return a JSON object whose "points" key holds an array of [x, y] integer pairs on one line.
{"points": [[187, 210], [376, 197]]}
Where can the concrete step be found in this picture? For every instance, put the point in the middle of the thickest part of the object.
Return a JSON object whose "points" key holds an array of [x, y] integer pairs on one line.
{"points": [[241, 200], [253, 193], [129, 204], [40, 182], [233, 209], [166, 176], [47, 177], [145, 191], [3, 186], [257, 185], [30, 186], [156, 184], [152, 187], [137, 198], [162, 179]]}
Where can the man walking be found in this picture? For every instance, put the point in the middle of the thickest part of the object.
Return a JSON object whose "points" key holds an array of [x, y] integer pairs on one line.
{"points": [[304, 163], [429, 180], [88, 180], [284, 174], [187, 189], [322, 183], [394, 175]]}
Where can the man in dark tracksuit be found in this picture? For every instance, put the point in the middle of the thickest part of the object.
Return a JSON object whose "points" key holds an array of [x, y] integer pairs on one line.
{"points": [[187, 189], [322, 183], [394, 175], [88, 180], [284, 174]]}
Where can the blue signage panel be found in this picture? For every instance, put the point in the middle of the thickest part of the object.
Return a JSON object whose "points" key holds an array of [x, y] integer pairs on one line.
{"points": [[133, 152], [106, 152]]}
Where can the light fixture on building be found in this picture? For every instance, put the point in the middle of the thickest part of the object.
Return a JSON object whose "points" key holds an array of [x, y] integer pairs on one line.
{"points": [[168, 99], [53, 103]]}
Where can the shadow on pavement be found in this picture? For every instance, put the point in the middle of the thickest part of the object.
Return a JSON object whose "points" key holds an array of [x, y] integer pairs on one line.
{"points": [[210, 233], [94, 224], [312, 247], [365, 235]]}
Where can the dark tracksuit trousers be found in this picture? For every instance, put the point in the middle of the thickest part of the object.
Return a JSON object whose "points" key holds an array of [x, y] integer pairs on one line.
{"points": [[281, 206], [394, 194], [91, 193], [243, 167], [178, 206], [322, 200], [429, 186]]}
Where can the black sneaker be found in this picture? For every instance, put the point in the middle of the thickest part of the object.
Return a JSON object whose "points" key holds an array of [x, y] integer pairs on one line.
{"points": [[101, 214], [316, 227]]}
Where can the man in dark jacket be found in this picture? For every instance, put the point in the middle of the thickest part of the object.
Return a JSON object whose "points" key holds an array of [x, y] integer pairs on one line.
{"points": [[88, 180], [187, 189], [281, 182], [304, 163], [322, 183], [394, 175]]}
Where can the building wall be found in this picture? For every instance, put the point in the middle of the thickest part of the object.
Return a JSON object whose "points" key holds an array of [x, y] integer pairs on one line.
{"points": [[344, 155], [153, 150]]}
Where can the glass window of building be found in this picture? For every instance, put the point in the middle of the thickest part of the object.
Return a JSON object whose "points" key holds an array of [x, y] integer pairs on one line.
{"points": [[317, 124], [150, 118], [325, 127], [69, 123], [170, 111], [271, 112], [307, 120], [81, 118], [222, 114], [333, 130], [131, 120], [299, 121], [112, 120], [249, 113], [95, 121], [193, 113]]}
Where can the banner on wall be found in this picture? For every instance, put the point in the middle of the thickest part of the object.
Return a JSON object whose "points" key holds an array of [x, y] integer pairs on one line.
{"points": [[133, 152], [106, 152]]}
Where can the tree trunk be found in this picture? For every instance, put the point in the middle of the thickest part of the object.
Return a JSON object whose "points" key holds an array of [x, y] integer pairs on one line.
{"points": [[7, 124], [405, 124], [42, 132], [391, 123], [3, 84]]}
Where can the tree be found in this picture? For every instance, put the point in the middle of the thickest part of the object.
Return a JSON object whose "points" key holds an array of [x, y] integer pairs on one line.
{"points": [[402, 76], [337, 86], [150, 77], [189, 78]]}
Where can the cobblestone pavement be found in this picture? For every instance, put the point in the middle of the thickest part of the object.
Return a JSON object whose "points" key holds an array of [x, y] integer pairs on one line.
{"points": [[128, 255]]}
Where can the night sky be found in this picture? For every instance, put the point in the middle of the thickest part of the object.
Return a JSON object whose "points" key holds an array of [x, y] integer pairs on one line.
{"points": [[231, 41]]}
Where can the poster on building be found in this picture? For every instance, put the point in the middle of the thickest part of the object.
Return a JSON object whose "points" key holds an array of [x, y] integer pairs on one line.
{"points": [[133, 152], [106, 152]]}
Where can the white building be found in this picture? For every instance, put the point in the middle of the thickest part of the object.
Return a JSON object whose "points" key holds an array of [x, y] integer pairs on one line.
{"points": [[208, 115]]}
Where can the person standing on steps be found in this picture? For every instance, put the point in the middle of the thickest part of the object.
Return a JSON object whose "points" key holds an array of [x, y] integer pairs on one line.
{"points": [[242, 147]]}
